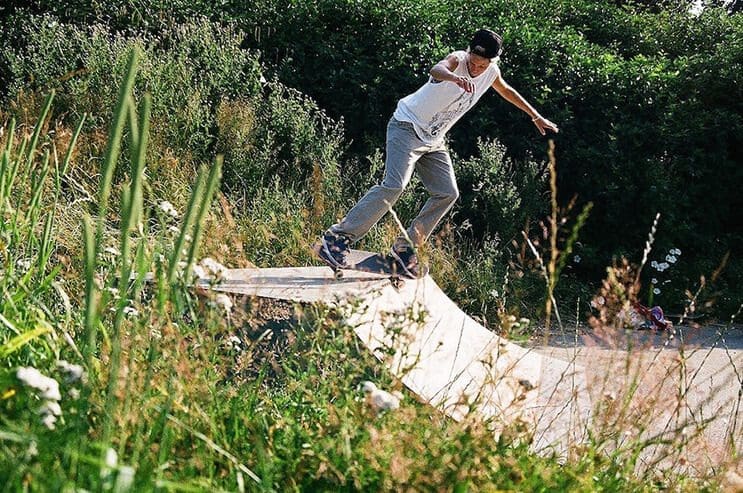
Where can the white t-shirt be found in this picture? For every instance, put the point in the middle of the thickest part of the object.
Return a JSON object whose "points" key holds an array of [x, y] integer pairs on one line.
{"points": [[437, 105]]}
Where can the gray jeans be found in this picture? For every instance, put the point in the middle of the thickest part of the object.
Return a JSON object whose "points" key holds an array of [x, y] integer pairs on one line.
{"points": [[405, 152]]}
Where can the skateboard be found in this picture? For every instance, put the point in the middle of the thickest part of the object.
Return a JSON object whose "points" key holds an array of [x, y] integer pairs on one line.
{"points": [[363, 261]]}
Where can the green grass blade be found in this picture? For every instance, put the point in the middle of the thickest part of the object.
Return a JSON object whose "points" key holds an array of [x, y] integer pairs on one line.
{"points": [[11, 135], [71, 147], [190, 214], [37, 190], [91, 308], [21, 340], [12, 171], [37, 128], [4, 163], [133, 127], [47, 242], [9, 324], [138, 163], [211, 186], [114, 143]]}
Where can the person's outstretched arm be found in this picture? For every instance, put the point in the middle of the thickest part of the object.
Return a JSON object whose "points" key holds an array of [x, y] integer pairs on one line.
{"points": [[512, 96]]}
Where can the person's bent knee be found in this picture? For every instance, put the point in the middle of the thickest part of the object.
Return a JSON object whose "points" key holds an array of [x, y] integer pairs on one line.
{"points": [[393, 192], [451, 196]]}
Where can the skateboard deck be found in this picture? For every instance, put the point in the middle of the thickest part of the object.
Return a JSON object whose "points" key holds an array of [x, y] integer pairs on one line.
{"points": [[363, 261]]}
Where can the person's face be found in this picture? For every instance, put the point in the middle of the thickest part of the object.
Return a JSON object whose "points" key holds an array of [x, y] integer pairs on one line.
{"points": [[477, 64]]}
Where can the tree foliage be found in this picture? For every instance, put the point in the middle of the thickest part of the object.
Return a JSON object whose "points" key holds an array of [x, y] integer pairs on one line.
{"points": [[648, 96]]}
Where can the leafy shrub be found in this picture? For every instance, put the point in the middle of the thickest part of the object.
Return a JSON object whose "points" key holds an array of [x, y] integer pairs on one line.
{"points": [[500, 195], [187, 70], [285, 134]]}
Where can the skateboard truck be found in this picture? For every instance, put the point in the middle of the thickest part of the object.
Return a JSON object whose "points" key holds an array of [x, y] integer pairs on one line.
{"points": [[395, 280]]}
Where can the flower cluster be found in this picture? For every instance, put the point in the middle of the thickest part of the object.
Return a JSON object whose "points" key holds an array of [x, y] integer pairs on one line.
{"points": [[168, 209], [47, 389], [209, 268], [670, 259], [380, 400]]}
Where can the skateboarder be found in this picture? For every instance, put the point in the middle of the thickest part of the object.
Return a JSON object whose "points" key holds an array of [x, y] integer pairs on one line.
{"points": [[415, 140]]}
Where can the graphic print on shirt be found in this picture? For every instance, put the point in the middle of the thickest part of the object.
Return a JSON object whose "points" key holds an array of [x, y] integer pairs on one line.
{"points": [[457, 107]]}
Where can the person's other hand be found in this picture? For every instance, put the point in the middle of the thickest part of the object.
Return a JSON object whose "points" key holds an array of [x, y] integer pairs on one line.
{"points": [[544, 124]]}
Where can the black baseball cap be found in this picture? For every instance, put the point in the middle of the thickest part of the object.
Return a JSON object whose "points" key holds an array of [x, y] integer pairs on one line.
{"points": [[486, 43]]}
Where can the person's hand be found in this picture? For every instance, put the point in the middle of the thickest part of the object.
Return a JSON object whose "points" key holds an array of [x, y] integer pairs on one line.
{"points": [[465, 83], [544, 124]]}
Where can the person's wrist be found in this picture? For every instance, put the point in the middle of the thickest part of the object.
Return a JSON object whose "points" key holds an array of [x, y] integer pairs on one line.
{"points": [[536, 118]]}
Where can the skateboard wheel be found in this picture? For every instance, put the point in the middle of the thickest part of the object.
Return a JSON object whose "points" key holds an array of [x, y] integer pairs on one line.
{"points": [[397, 283], [338, 274]]}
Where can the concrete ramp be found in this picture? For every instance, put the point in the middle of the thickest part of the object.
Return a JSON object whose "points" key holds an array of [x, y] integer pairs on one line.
{"points": [[442, 355]]}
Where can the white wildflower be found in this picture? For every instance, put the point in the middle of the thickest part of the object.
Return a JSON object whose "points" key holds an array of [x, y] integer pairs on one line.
{"points": [[125, 479], [23, 264], [577, 259], [671, 259], [654, 280], [213, 267], [380, 400], [130, 311], [675, 251], [112, 250], [110, 461], [654, 264], [168, 208], [224, 301], [234, 342], [112, 458], [31, 377], [50, 407], [48, 420], [74, 394], [174, 229], [494, 293], [73, 372], [662, 266], [656, 291], [33, 449]]}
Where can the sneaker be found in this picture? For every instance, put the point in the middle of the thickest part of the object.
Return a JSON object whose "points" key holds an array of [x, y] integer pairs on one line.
{"points": [[335, 248], [406, 261]]}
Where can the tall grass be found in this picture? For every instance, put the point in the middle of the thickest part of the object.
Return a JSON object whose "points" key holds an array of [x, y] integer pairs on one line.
{"points": [[178, 396]]}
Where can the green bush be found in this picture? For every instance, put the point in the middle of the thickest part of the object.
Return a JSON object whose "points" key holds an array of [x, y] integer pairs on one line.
{"points": [[188, 70]]}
